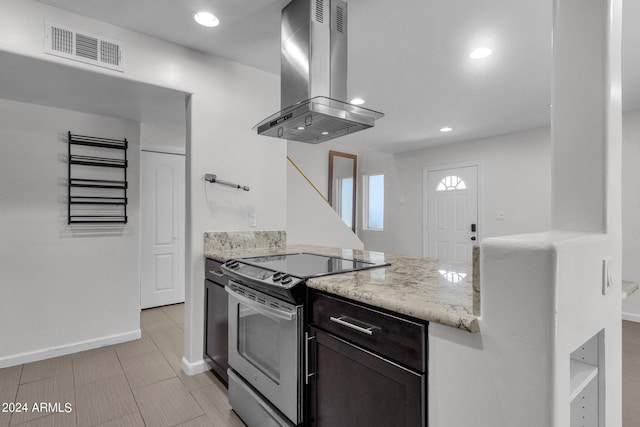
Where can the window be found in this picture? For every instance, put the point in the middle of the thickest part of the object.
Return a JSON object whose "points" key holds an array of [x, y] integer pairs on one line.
{"points": [[451, 183], [374, 202], [346, 200]]}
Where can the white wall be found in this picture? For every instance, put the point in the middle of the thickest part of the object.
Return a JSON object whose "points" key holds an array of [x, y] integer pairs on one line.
{"points": [[311, 220], [544, 294], [514, 177], [60, 286], [226, 100], [631, 210], [313, 160], [164, 139]]}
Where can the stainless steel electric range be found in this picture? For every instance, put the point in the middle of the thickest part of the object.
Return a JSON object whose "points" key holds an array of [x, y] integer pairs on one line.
{"points": [[266, 332]]}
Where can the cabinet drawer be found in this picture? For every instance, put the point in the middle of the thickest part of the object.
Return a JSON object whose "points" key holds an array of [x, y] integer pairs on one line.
{"points": [[354, 387], [213, 272], [395, 338]]}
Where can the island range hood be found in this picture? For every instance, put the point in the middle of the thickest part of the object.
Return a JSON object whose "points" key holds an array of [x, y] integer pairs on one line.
{"points": [[313, 76]]}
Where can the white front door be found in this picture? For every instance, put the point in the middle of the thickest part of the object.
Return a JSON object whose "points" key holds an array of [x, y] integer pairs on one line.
{"points": [[451, 197], [162, 212]]}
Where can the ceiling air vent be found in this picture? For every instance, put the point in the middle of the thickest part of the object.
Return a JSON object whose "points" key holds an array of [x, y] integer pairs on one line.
{"points": [[83, 47]]}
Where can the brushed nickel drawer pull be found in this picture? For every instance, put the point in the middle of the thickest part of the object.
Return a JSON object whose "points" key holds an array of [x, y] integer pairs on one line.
{"points": [[340, 321]]}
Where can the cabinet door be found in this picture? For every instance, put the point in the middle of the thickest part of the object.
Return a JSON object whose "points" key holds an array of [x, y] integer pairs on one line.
{"points": [[353, 387], [216, 346]]}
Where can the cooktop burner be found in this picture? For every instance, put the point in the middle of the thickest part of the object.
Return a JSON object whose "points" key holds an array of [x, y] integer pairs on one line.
{"points": [[306, 265], [280, 275]]}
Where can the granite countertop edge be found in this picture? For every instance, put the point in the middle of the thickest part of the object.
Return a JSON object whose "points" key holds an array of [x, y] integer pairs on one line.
{"points": [[420, 289]]}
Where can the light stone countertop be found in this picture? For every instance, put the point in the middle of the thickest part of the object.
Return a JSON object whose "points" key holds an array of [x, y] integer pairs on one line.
{"points": [[423, 288]]}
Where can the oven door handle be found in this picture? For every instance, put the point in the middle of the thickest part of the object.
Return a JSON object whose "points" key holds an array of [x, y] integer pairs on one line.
{"points": [[280, 314]]}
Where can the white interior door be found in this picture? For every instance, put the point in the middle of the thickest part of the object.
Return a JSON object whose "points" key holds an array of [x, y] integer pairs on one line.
{"points": [[162, 213], [451, 197]]}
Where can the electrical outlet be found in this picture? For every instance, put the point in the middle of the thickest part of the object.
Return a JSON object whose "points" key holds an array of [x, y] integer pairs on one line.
{"points": [[253, 220]]}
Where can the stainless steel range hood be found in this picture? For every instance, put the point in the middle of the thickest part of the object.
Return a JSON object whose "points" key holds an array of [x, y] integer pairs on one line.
{"points": [[313, 76]]}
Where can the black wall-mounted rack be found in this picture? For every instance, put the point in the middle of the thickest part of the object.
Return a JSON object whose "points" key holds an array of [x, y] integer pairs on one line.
{"points": [[108, 204]]}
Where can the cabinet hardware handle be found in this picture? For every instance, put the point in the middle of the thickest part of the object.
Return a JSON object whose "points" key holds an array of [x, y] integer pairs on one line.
{"points": [[340, 321], [306, 359]]}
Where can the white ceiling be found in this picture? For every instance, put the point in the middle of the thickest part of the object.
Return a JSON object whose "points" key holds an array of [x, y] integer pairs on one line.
{"points": [[408, 59]]}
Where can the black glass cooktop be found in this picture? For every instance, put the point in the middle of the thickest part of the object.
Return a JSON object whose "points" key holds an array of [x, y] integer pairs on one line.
{"points": [[305, 265]]}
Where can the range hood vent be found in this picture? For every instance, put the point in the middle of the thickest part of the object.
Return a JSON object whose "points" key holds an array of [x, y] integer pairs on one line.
{"points": [[316, 120], [313, 73]]}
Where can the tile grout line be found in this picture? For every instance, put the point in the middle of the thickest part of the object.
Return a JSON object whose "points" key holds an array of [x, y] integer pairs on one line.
{"points": [[101, 379], [200, 406], [15, 396], [164, 356], [130, 389], [47, 414], [190, 392], [75, 399]]}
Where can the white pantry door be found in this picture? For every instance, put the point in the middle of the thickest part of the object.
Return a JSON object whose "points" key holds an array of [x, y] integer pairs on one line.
{"points": [[162, 212], [451, 197]]}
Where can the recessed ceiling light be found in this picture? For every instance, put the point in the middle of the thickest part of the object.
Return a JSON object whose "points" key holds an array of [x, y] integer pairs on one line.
{"points": [[300, 127], [325, 133], [357, 101], [206, 19], [481, 52], [446, 129]]}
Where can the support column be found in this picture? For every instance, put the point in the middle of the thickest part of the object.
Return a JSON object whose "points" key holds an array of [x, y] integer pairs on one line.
{"points": [[586, 116]]}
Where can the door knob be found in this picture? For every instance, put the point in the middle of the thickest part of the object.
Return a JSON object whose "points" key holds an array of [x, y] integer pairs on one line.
{"points": [[473, 238]]}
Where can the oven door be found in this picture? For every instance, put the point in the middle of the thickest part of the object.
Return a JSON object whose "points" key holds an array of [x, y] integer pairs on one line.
{"points": [[265, 346]]}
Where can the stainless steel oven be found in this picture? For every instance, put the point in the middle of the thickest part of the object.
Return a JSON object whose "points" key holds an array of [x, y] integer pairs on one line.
{"points": [[265, 336], [266, 326]]}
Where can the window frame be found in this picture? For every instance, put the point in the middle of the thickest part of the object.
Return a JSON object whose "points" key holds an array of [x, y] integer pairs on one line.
{"points": [[332, 192], [339, 196], [365, 202]]}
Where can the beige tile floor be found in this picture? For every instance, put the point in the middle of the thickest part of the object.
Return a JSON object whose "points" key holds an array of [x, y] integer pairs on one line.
{"points": [[630, 374], [139, 383]]}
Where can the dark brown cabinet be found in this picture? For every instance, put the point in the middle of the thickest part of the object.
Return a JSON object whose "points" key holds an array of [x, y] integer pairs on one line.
{"points": [[216, 318], [355, 377]]}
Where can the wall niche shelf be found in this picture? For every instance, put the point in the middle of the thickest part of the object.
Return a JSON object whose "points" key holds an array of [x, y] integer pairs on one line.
{"points": [[97, 186], [587, 400]]}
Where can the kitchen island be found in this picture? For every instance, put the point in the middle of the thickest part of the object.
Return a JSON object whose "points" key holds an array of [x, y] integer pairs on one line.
{"points": [[427, 289], [491, 372], [411, 293]]}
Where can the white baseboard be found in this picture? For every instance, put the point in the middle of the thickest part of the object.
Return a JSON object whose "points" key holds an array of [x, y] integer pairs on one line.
{"points": [[194, 368], [48, 353], [631, 317]]}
